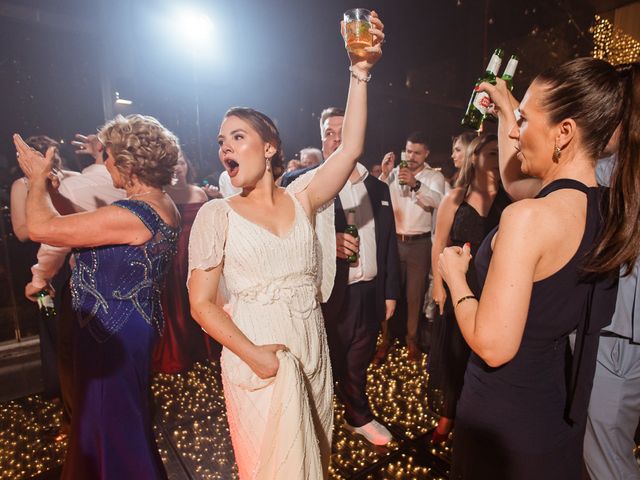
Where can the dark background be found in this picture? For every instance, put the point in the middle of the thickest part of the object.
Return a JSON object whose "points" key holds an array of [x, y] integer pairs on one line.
{"points": [[62, 60]]}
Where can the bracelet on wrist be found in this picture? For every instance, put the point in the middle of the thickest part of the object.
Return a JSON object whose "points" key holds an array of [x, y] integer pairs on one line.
{"points": [[359, 77], [466, 297]]}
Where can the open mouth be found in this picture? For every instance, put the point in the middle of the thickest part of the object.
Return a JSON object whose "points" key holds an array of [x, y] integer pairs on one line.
{"points": [[232, 167]]}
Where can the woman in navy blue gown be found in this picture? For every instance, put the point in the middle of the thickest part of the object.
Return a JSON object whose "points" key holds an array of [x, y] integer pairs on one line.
{"points": [[121, 253], [522, 411]]}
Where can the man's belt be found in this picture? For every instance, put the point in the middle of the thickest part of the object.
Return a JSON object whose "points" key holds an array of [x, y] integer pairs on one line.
{"points": [[409, 238]]}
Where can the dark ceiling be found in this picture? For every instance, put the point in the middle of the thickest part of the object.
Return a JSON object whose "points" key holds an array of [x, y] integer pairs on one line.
{"points": [[60, 58]]}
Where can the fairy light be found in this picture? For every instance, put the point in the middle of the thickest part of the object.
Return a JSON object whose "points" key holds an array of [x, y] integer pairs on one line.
{"points": [[191, 423], [191, 412], [612, 44], [28, 428]]}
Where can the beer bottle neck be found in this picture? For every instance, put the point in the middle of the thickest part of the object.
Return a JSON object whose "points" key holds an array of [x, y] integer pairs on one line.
{"points": [[510, 69], [494, 66]]}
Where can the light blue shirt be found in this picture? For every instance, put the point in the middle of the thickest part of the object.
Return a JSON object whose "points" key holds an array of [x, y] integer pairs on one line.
{"points": [[626, 318]]}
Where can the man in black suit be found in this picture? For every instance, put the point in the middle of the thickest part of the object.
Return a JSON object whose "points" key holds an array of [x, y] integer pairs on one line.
{"points": [[365, 291]]}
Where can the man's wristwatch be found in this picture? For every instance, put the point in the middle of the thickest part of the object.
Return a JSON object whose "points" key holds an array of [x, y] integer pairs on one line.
{"points": [[417, 186]]}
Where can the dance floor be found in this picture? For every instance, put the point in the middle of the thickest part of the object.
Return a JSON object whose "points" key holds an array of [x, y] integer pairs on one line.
{"points": [[193, 436]]}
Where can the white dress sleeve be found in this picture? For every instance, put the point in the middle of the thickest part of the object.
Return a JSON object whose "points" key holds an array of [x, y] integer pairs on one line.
{"points": [[325, 237], [207, 238]]}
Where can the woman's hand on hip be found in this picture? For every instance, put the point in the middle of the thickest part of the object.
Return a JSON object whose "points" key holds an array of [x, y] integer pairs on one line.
{"points": [[264, 361]]}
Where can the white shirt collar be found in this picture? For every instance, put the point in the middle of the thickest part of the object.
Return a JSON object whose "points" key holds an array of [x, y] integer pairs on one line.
{"points": [[362, 171]]}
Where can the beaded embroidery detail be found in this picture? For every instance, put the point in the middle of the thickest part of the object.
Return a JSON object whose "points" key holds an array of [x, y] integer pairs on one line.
{"points": [[112, 283]]}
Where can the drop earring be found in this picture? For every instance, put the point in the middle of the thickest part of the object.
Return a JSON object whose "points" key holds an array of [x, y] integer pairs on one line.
{"points": [[556, 153], [174, 179], [268, 161]]}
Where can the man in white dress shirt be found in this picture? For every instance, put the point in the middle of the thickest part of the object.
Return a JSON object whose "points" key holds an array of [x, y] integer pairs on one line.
{"points": [[416, 192], [365, 292]]}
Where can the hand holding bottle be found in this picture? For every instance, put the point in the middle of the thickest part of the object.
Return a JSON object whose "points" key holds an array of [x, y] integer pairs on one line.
{"points": [[346, 245], [503, 101], [31, 291], [406, 177]]}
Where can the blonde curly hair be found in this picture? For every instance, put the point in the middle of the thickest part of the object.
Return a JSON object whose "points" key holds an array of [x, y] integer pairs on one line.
{"points": [[142, 147]]}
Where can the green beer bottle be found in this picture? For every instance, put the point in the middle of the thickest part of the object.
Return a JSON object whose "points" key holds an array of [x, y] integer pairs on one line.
{"points": [[479, 101], [45, 304], [510, 71], [353, 231], [403, 164], [507, 76]]}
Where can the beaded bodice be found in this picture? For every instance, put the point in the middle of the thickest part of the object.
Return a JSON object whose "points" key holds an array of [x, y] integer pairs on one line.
{"points": [[114, 282]]}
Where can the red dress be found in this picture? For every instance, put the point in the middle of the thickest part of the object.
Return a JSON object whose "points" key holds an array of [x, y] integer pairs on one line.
{"points": [[183, 342]]}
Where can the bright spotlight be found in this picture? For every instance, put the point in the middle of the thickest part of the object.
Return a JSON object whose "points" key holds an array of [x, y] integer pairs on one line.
{"points": [[194, 28]]}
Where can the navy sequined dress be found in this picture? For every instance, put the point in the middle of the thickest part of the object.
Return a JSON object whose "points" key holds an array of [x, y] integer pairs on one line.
{"points": [[116, 296]]}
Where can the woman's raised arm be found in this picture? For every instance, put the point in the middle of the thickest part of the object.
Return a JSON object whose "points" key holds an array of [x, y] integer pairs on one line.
{"points": [[517, 184], [333, 174]]}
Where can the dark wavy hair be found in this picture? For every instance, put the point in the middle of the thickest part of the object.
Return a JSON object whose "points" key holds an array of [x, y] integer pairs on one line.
{"points": [[265, 127]]}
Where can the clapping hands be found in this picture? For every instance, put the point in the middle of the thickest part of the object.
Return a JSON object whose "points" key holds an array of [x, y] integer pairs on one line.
{"points": [[33, 164]]}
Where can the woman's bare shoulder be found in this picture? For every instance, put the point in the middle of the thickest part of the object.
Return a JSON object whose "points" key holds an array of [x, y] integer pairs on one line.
{"points": [[198, 194], [453, 199]]}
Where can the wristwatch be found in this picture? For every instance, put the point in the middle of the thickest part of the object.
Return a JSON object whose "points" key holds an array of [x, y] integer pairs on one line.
{"points": [[417, 186]]}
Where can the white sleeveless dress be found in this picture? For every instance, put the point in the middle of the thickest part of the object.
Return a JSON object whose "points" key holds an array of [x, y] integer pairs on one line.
{"points": [[280, 427]]}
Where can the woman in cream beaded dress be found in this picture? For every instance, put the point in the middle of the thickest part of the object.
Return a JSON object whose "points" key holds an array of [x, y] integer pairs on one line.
{"points": [[274, 251]]}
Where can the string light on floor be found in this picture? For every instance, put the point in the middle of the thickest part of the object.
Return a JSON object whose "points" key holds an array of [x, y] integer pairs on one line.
{"points": [[28, 431], [192, 413], [192, 431]]}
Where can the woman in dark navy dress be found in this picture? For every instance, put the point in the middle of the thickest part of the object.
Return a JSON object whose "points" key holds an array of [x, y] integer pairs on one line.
{"points": [[466, 214], [522, 410], [121, 254]]}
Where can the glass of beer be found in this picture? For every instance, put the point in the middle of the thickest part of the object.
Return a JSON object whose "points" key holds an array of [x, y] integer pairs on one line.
{"points": [[357, 23]]}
